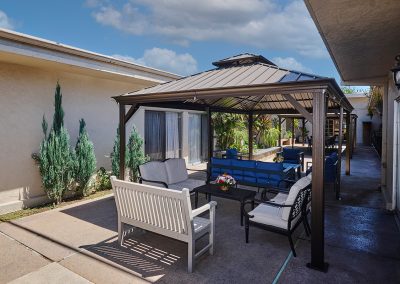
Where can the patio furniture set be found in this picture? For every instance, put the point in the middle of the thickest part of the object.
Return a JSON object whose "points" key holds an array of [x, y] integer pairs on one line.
{"points": [[161, 203]]}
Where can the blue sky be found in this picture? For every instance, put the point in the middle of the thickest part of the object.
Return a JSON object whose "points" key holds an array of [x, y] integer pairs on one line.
{"points": [[181, 36]]}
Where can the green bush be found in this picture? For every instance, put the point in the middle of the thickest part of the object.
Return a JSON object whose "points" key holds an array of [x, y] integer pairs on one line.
{"points": [[56, 164], [55, 158], [271, 136], [103, 181], [85, 159], [115, 156], [134, 155]]}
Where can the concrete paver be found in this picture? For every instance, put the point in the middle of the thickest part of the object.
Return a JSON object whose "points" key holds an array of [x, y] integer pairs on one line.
{"points": [[17, 260], [52, 273]]}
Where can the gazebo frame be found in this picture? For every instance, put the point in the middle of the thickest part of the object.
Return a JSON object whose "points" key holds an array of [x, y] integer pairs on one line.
{"points": [[324, 95]]}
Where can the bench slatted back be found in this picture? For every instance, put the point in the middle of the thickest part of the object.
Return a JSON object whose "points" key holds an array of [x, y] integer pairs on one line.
{"points": [[153, 208]]}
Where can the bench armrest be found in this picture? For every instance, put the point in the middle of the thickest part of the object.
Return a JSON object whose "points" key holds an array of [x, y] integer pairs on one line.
{"points": [[209, 206]]}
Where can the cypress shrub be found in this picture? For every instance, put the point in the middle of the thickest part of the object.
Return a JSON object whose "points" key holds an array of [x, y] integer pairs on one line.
{"points": [[55, 158], [85, 159], [56, 164], [134, 155], [115, 156]]}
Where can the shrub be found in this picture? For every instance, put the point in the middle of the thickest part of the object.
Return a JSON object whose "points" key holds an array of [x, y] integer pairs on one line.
{"points": [[134, 155], [85, 159], [103, 181], [55, 158], [56, 164], [271, 136], [115, 156]]}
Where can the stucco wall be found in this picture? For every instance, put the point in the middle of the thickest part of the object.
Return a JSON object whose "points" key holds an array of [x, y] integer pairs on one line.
{"points": [[360, 105], [26, 93]]}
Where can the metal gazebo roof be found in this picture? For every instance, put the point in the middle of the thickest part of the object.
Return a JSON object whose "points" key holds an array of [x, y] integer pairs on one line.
{"points": [[242, 83]]}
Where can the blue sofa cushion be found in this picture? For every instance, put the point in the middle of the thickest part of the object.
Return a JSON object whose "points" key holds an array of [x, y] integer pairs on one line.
{"points": [[244, 174], [218, 167], [272, 175]]}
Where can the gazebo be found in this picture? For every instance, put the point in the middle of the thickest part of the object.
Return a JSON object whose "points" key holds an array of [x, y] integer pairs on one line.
{"points": [[252, 85]]}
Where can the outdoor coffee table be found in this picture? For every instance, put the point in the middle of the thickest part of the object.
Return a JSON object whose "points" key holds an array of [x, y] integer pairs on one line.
{"points": [[234, 193]]}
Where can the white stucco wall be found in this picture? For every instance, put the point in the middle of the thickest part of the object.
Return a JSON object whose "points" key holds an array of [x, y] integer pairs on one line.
{"points": [[360, 105], [26, 93]]}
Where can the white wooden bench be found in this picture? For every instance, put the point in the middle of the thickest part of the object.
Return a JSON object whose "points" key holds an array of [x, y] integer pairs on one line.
{"points": [[164, 211]]}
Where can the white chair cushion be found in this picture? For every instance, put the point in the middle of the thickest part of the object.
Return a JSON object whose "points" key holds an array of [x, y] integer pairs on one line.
{"points": [[154, 170], [309, 176], [189, 184], [176, 170], [268, 215], [294, 190]]}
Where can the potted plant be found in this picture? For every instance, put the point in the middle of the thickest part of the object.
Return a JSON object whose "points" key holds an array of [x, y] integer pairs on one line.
{"points": [[225, 181]]}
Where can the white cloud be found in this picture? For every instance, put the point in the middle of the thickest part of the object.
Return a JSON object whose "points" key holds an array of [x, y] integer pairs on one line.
{"points": [[291, 64], [5, 21], [165, 59], [260, 23]]}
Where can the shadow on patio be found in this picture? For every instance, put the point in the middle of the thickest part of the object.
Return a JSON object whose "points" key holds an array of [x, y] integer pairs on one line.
{"points": [[160, 258]]}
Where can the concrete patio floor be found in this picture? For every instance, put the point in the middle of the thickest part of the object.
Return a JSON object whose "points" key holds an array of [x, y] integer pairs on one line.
{"points": [[78, 243]]}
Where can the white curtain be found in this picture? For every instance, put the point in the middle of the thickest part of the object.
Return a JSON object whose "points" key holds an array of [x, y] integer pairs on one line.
{"points": [[172, 135], [194, 138], [154, 135]]}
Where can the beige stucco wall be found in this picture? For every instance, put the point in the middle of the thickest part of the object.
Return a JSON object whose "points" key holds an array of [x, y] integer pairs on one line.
{"points": [[26, 93]]}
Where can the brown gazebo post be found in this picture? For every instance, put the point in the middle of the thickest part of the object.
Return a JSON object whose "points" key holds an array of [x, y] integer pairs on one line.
{"points": [[210, 136], [355, 133], [293, 133], [340, 144], [280, 131], [318, 200], [122, 138], [303, 134], [348, 142]]}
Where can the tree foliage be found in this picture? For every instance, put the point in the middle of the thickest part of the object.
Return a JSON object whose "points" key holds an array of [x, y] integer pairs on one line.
{"points": [[58, 118], [134, 154], [85, 159], [115, 156], [231, 131], [266, 134]]}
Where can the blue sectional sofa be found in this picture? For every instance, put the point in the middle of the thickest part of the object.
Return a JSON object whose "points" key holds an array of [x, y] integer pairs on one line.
{"points": [[253, 173]]}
